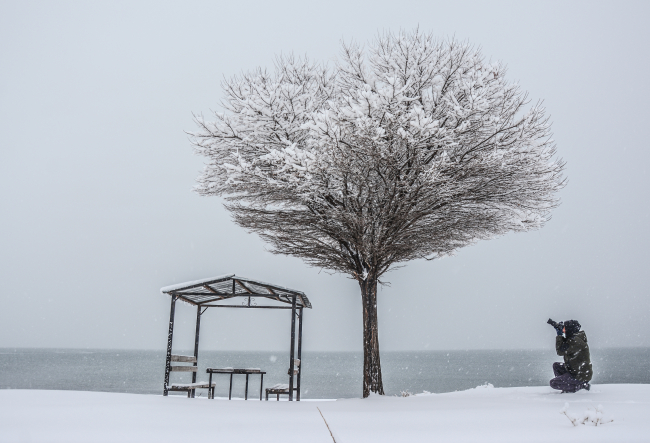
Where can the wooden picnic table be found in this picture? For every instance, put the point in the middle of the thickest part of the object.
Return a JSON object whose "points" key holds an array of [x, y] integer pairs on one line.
{"points": [[233, 371]]}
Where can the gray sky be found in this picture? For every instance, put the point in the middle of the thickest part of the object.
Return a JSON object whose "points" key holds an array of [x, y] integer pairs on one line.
{"points": [[96, 177]]}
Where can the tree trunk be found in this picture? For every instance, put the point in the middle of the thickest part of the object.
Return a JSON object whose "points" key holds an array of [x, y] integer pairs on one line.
{"points": [[371, 365]]}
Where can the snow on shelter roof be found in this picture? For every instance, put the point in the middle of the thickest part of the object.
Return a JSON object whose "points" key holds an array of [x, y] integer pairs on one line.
{"points": [[217, 291]]}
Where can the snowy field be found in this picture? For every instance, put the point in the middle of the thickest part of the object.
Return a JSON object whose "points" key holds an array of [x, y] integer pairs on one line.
{"points": [[484, 414]]}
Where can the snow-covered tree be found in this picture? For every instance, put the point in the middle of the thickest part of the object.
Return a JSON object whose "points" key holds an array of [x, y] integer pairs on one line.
{"points": [[411, 148]]}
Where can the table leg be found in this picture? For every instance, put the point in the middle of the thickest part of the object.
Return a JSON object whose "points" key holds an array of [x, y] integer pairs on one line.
{"points": [[210, 386], [246, 390], [261, 385], [230, 390]]}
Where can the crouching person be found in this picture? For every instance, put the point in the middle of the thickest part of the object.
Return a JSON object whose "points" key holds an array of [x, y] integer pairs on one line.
{"points": [[576, 372]]}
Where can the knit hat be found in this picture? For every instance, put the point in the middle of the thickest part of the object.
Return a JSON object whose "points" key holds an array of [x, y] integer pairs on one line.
{"points": [[572, 327]]}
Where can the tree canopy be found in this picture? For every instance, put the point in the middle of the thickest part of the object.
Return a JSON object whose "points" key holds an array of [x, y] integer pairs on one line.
{"points": [[410, 148]]}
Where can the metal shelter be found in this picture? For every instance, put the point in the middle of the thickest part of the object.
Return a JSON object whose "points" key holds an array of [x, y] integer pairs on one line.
{"points": [[231, 291]]}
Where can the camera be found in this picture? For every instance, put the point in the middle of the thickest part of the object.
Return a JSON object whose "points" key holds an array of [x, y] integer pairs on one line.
{"points": [[556, 325]]}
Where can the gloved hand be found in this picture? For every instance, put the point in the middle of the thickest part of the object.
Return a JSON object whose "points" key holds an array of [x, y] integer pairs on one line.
{"points": [[559, 331]]}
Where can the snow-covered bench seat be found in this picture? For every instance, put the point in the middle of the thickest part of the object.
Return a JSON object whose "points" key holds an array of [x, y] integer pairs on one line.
{"points": [[189, 387], [280, 388]]}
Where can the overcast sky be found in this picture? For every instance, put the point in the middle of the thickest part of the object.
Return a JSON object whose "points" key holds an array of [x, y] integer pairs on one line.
{"points": [[97, 172]]}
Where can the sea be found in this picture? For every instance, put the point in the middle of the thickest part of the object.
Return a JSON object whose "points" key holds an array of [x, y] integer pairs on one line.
{"points": [[326, 375]]}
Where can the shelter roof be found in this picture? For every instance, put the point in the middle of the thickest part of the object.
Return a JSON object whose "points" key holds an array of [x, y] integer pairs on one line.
{"points": [[216, 291]]}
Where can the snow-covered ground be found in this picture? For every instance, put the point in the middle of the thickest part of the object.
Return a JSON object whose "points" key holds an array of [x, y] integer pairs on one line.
{"points": [[484, 414]]}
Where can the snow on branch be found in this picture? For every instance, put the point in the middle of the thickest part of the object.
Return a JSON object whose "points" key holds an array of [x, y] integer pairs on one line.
{"points": [[411, 148]]}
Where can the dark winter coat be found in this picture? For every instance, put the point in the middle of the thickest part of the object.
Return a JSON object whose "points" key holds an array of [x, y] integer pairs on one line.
{"points": [[575, 351]]}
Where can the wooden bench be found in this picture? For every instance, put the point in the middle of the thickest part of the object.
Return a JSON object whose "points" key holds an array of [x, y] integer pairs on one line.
{"points": [[278, 389], [282, 388], [190, 388]]}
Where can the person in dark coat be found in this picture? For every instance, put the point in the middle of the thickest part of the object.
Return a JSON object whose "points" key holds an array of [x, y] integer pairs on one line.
{"points": [[576, 371]]}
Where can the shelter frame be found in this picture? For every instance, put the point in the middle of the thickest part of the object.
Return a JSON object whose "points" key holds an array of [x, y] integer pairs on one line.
{"points": [[217, 292]]}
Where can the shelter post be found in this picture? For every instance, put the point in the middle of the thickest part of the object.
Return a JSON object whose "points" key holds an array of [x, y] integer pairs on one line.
{"points": [[300, 312], [196, 343], [170, 336], [293, 343]]}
